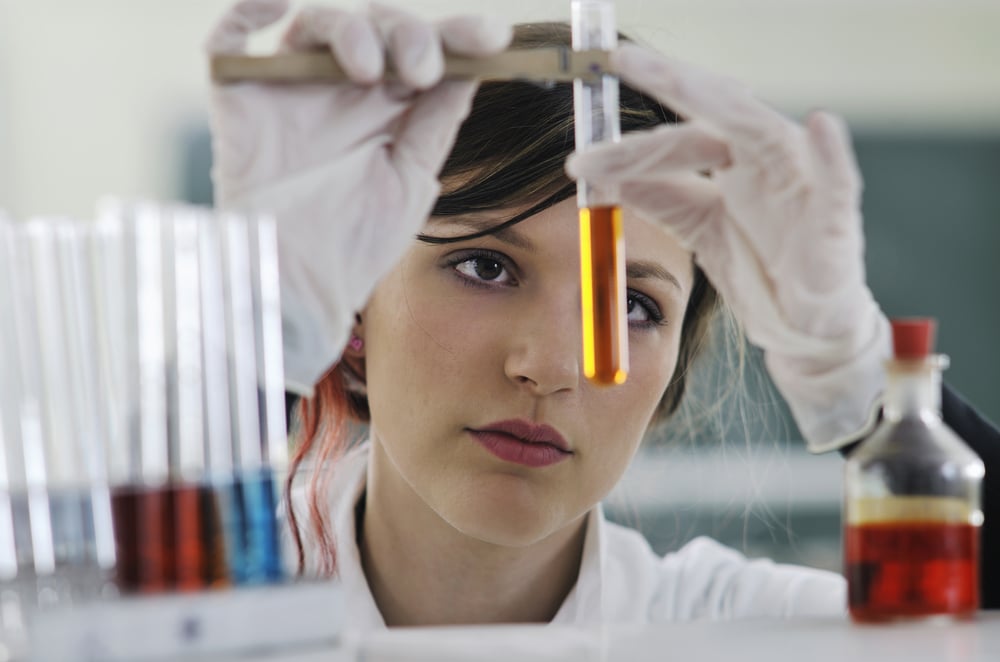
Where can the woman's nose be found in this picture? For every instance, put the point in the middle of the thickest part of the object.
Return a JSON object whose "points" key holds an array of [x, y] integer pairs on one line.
{"points": [[545, 347]]}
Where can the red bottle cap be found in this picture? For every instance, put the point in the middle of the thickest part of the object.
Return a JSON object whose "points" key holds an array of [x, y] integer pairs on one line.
{"points": [[913, 338]]}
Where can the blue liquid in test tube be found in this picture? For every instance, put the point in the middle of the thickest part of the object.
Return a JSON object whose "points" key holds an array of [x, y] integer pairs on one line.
{"points": [[245, 444]]}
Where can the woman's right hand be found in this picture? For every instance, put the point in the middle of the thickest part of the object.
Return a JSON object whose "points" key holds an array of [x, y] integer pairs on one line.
{"points": [[350, 170]]}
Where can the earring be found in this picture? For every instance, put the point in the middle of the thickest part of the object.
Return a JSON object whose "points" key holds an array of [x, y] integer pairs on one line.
{"points": [[355, 343]]}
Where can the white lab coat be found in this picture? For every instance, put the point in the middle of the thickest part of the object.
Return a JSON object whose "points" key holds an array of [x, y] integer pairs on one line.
{"points": [[621, 581]]}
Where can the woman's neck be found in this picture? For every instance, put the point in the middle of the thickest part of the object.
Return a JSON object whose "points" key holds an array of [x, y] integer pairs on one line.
{"points": [[422, 571]]}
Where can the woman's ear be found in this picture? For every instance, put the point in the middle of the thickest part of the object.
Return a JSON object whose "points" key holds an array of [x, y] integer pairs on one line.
{"points": [[352, 361], [356, 343]]}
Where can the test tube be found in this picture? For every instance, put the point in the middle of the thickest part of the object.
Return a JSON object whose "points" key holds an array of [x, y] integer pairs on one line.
{"points": [[15, 527], [263, 241], [86, 402], [131, 279], [602, 243], [115, 350], [30, 418], [198, 553], [255, 488], [270, 365]]}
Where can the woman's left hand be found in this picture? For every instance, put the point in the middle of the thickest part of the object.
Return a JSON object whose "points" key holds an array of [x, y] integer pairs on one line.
{"points": [[776, 228]]}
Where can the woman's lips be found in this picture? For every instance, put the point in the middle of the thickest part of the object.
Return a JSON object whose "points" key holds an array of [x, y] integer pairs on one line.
{"points": [[523, 442]]}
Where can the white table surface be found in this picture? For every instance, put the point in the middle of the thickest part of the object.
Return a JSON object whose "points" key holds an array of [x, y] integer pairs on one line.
{"points": [[300, 623], [830, 640]]}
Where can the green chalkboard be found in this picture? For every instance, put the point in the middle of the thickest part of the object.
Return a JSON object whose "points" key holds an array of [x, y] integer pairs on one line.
{"points": [[932, 222]]}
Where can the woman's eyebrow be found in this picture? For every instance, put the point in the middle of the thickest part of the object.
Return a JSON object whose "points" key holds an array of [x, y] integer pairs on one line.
{"points": [[645, 269], [508, 235]]}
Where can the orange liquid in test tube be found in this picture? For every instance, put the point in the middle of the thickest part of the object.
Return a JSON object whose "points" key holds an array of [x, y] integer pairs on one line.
{"points": [[602, 279]]}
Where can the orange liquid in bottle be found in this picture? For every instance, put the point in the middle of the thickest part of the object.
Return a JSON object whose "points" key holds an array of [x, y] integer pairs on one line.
{"points": [[602, 279], [911, 569]]}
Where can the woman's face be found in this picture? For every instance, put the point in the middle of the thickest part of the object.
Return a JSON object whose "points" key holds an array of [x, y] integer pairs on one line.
{"points": [[463, 335]]}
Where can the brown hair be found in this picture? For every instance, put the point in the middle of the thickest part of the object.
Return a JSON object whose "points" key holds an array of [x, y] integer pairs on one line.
{"points": [[509, 154]]}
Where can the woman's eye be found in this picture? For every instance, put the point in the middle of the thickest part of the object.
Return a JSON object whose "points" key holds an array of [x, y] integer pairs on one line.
{"points": [[636, 311], [482, 268], [642, 311]]}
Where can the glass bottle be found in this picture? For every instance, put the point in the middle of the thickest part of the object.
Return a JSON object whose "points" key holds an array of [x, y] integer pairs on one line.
{"points": [[912, 498]]}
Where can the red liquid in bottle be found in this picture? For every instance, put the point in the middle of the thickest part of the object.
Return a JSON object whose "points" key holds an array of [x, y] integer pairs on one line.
{"points": [[911, 498], [911, 569]]}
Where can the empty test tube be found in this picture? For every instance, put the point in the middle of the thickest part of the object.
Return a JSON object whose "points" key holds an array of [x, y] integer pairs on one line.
{"points": [[602, 243], [15, 531], [28, 410], [86, 403]]}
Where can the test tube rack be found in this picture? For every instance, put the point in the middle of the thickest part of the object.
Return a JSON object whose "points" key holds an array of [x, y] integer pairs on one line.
{"points": [[248, 623]]}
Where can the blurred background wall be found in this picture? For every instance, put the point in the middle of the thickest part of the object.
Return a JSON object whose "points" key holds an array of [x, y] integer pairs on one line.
{"points": [[110, 96]]}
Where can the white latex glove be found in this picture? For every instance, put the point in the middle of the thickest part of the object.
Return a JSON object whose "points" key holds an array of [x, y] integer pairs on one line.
{"points": [[777, 230], [349, 171]]}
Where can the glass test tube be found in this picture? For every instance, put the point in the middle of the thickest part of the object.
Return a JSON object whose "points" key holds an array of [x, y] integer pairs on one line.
{"points": [[271, 386], [602, 243], [255, 487], [270, 364], [30, 399], [15, 528], [37, 429], [115, 349], [219, 437], [198, 552], [86, 403], [131, 275]]}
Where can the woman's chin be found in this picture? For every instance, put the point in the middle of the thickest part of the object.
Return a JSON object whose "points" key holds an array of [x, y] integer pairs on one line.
{"points": [[505, 517], [505, 530]]}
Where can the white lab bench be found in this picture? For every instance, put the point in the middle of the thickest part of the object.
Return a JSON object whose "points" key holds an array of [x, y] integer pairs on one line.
{"points": [[826, 640], [299, 623]]}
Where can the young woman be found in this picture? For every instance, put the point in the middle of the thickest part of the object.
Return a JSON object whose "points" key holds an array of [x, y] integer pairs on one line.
{"points": [[475, 497]]}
